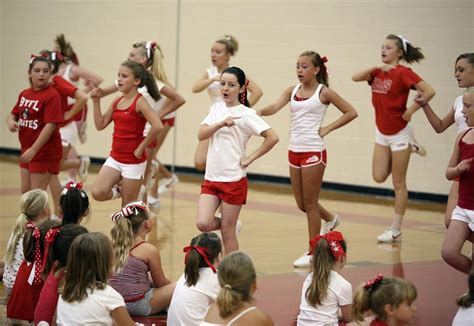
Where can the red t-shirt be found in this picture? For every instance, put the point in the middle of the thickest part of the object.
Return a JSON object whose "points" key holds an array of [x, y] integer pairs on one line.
{"points": [[34, 109], [466, 180], [128, 132], [390, 91], [65, 89]]}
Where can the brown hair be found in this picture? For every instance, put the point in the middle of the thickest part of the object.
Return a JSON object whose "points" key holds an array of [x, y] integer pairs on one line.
{"points": [[318, 62], [88, 266], [467, 299], [194, 261], [391, 290], [145, 77], [411, 54], [65, 48], [236, 275]]}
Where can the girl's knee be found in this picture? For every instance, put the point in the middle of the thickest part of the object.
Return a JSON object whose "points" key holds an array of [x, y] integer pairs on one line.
{"points": [[448, 255], [379, 178], [399, 184], [203, 226], [98, 193]]}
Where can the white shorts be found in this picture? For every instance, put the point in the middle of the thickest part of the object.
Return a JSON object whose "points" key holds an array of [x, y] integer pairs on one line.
{"points": [[129, 171], [464, 215], [69, 134], [397, 142]]}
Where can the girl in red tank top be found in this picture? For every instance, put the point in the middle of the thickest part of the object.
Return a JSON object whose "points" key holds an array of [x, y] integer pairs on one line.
{"points": [[461, 165], [130, 112], [391, 84]]}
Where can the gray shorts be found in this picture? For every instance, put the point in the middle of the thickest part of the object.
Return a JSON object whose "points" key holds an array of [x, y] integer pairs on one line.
{"points": [[141, 307]]}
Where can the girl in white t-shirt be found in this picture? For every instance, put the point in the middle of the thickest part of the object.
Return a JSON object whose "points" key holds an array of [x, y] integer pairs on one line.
{"points": [[198, 287], [325, 291], [86, 298], [229, 125], [307, 157], [221, 52]]}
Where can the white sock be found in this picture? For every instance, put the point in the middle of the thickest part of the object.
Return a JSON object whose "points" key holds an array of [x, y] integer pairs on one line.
{"points": [[397, 222]]}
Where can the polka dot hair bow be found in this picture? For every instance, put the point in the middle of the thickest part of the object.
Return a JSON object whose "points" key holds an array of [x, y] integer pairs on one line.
{"points": [[334, 240], [129, 210], [37, 257], [48, 242], [202, 251], [371, 285]]}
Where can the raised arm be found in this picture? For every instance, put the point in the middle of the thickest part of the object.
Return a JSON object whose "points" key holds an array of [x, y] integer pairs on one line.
{"points": [[206, 131], [91, 78], [174, 101], [439, 125], [426, 92], [456, 168], [255, 92], [202, 83], [101, 121], [81, 100], [278, 104], [348, 111], [363, 75], [270, 140]]}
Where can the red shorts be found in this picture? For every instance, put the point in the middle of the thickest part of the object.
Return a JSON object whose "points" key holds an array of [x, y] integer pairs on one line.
{"points": [[234, 193], [169, 122], [51, 166], [306, 159]]}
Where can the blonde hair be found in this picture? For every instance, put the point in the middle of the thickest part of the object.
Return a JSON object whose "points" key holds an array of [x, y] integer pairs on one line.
{"points": [[125, 226], [236, 275], [155, 61], [390, 290], [88, 266], [323, 263], [230, 42], [32, 204]]}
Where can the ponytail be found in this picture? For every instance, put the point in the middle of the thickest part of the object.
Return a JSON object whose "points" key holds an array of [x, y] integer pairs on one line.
{"points": [[236, 277], [202, 252], [410, 52], [127, 221], [17, 233], [74, 203], [319, 62], [157, 67], [146, 78], [65, 48]]}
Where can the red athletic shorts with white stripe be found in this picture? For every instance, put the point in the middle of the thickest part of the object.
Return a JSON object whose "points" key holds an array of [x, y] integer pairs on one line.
{"points": [[306, 159], [234, 193]]}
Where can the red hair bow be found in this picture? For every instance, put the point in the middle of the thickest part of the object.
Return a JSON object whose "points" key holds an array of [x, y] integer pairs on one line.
{"points": [[373, 284], [37, 260], [324, 59], [32, 57], [202, 251], [71, 185], [334, 239], [49, 239]]}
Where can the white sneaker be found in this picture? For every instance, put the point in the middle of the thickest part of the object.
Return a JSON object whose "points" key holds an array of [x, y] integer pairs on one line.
{"points": [[390, 235], [167, 183], [153, 202], [303, 261], [331, 225], [84, 168], [417, 148]]}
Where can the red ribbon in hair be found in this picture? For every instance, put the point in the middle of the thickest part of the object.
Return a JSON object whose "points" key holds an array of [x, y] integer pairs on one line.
{"points": [[334, 239], [129, 210], [32, 57], [37, 260], [202, 251], [71, 185], [324, 59], [243, 95], [49, 239], [373, 284]]}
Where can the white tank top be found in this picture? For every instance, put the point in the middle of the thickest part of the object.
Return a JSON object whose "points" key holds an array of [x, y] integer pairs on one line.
{"points": [[233, 320], [155, 105], [66, 75], [458, 116], [214, 89], [306, 119]]}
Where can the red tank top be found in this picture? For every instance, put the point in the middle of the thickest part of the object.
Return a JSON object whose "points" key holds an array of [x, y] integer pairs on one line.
{"points": [[48, 299], [128, 132], [466, 180]]}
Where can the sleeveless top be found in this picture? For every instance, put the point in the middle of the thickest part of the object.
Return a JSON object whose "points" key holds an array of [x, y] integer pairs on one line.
{"points": [[466, 180], [128, 133], [233, 320], [306, 119], [48, 299], [132, 281], [66, 75], [214, 89], [458, 116]]}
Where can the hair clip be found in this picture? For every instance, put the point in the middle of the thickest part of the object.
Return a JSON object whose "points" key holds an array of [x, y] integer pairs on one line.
{"points": [[371, 285]]}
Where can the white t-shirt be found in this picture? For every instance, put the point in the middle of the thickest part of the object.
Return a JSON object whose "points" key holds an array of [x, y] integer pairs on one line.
{"points": [[196, 299], [339, 294], [227, 145], [214, 89], [11, 269], [93, 310], [458, 116], [155, 105], [306, 119], [464, 317]]}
